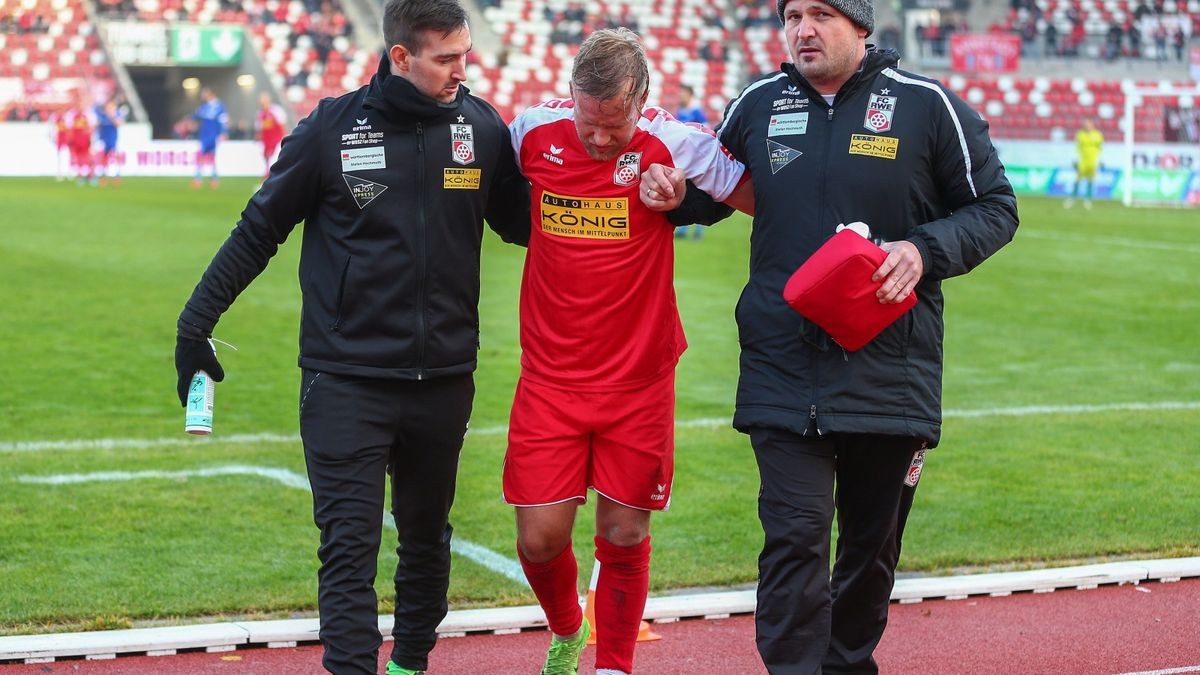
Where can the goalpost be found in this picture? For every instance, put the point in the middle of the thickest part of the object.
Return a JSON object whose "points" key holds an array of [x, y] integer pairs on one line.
{"points": [[1184, 100]]}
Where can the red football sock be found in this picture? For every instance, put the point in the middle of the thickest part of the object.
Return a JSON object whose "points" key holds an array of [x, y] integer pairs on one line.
{"points": [[554, 584], [620, 601]]}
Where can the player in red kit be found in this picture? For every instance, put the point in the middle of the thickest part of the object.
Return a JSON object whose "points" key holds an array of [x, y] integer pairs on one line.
{"points": [[80, 126], [600, 338], [270, 123], [62, 140]]}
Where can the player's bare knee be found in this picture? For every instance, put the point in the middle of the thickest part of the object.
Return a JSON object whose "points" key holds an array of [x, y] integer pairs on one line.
{"points": [[625, 533], [542, 546]]}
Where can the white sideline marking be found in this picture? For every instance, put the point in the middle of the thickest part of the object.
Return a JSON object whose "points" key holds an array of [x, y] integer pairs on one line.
{"points": [[289, 478], [143, 443], [702, 422], [1073, 409], [1168, 671], [482, 555], [1116, 241]]}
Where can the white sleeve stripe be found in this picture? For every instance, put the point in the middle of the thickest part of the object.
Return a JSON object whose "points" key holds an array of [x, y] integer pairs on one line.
{"points": [[534, 117], [738, 100], [962, 139], [698, 152]]}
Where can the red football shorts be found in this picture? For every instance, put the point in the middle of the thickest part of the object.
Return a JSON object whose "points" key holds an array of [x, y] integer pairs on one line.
{"points": [[621, 444]]}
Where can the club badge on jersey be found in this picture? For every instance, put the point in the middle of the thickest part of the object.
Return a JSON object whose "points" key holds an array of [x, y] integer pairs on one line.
{"points": [[880, 109], [629, 169], [462, 143]]}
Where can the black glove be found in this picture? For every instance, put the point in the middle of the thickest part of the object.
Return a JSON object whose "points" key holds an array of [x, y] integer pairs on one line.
{"points": [[190, 356]]}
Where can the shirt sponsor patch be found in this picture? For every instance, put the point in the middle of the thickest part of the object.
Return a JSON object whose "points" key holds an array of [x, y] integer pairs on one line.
{"points": [[462, 143], [780, 155], [359, 159], [461, 179], [629, 169], [363, 191], [792, 124], [585, 217], [874, 146], [879, 112], [789, 103]]}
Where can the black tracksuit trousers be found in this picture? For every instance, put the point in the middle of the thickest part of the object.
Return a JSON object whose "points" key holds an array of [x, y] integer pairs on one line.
{"points": [[356, 432], [807, 622]]}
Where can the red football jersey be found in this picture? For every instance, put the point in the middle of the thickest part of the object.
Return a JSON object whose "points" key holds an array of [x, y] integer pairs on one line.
{"points": [[270, 123], [598, 306], [80, 125]]}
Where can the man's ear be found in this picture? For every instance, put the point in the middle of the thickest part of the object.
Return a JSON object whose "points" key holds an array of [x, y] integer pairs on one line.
{"points": [[399, 57]]}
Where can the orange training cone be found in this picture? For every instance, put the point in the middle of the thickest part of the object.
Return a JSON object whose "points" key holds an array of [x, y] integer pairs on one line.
{"points": [[589, 611]]}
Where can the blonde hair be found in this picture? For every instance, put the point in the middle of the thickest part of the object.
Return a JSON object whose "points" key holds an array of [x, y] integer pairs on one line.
{"points": [[609, 61]]}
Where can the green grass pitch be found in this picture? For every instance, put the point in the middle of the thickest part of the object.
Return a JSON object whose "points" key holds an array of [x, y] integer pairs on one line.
{"points": [[1072, 393]]}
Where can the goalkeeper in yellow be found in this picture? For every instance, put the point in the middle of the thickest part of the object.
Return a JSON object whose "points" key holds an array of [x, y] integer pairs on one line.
{"points": [[1088, 142]]}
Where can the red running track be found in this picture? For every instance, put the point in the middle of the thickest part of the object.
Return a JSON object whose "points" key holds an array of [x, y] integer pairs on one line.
{"points": [[1107, 630]]}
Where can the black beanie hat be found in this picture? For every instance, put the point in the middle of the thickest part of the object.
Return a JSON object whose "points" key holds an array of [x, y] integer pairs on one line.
{"points": [[859, 11]]}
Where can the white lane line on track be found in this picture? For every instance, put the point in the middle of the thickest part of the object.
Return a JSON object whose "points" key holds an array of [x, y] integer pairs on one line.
{"points": [[496, 430], [484, 556], [1167, 671]]}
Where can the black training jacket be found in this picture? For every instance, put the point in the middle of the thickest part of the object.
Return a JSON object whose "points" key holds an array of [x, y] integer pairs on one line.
{"points": [[900, 153], [393, 188]]}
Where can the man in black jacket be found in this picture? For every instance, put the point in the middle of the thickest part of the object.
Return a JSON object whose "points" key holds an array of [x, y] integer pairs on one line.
{"points": [[393, 182], [841, 136]]}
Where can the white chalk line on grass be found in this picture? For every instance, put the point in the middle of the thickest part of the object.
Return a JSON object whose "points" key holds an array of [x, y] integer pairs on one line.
{"points": [[1093, 241], [1167, 671], [698, 423], [482, 555]]}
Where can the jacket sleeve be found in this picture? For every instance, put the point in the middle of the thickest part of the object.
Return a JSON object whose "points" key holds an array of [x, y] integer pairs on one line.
{"points": [[978, 197], [285, 199], [698, 207], [507, 210]]}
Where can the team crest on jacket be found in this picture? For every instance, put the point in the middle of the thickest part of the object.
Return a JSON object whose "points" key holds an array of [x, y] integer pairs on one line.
{"points": [[462, 143], [879, 112], [629, 169], [914, 467]]}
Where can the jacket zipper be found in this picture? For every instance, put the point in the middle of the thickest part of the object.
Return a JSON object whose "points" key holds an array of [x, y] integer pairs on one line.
{"points": [[815, 358], [421, 227]]}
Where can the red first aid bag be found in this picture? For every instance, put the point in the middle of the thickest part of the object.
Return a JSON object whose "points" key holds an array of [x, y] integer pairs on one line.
{"points": [[833, 289]]}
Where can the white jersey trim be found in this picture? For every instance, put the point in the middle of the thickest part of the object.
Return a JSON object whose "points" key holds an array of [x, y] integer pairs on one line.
{"points": [[693, 149], [697, 151], [962, 139], [536, 116]]}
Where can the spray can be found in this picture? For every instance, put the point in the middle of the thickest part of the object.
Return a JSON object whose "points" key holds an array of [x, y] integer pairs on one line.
{"points": [[199, 417]]}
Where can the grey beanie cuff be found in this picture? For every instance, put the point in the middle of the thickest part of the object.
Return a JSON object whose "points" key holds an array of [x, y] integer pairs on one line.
{"points": [[860, 12]]}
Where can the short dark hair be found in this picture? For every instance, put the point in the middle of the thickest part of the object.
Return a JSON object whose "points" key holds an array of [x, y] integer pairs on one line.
{"points": [[611, 62], [405, 21]]}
